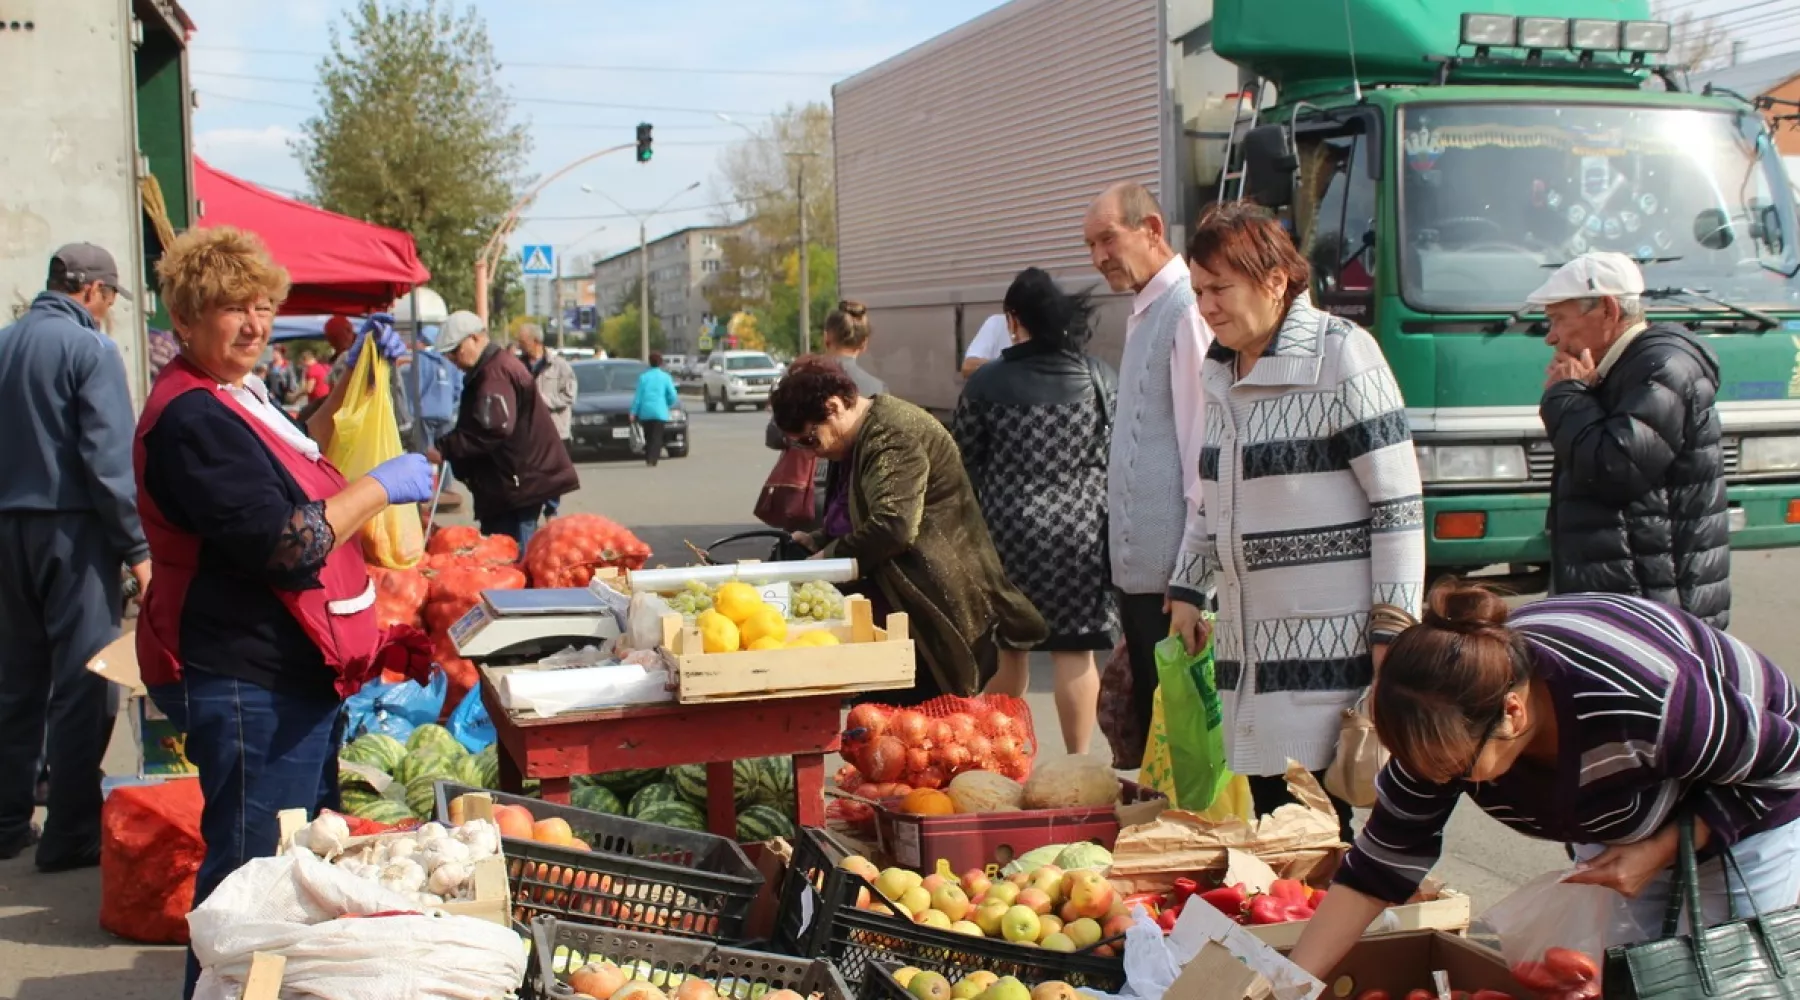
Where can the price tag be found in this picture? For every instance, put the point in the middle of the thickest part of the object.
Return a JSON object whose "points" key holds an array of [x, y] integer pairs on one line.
{"points": [[778, 594]]}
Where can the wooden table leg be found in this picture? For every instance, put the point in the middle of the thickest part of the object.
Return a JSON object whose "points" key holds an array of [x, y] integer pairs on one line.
{"points": [[555, 790], [511, 779], [721, 799], [809, 788]]}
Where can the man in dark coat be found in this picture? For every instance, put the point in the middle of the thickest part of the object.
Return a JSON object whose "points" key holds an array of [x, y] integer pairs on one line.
{"points": [[1637, 503], [505, 447]]}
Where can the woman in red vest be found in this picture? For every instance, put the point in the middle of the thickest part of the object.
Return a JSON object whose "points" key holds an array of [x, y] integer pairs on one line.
{"points": [[260, 615]]}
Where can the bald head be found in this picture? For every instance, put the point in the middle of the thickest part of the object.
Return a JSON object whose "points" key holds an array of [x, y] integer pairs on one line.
{"points": [[1127, 236]]}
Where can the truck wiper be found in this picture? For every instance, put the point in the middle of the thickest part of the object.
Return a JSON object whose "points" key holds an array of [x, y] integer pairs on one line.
{"points": [[1765, 321]]}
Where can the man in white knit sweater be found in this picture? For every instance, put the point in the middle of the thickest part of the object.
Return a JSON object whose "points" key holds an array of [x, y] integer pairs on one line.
{"points": [[1153, 467]]}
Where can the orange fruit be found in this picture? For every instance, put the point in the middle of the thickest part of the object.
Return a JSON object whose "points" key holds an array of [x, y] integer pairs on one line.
{"points": [[927, 802]]}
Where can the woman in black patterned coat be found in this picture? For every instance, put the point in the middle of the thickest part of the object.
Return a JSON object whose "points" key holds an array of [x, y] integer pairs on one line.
{"points": [[1034, 431]]}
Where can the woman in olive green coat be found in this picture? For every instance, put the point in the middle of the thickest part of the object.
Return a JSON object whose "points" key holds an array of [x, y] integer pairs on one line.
{"points": [[916, 529]]}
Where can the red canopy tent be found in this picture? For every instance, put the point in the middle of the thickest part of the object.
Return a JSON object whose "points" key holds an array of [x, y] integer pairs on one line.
{"points": [[337, 264]]}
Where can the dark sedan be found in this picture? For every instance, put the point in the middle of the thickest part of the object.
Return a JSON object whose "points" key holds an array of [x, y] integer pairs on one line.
{"points": [[603, 409]]}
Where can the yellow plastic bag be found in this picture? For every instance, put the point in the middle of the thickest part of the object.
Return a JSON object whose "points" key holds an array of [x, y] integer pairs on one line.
{"points": [[365, 434], [1158, 772]]}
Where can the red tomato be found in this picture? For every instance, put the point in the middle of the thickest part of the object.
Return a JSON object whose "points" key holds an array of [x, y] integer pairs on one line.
{"points": [[1535, 976], [1572, 967], [1490, 995], [1421, 995]]}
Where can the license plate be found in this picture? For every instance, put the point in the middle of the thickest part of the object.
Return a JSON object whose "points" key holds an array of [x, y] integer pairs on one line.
{"points": [[1736, 519], [621, 433]]}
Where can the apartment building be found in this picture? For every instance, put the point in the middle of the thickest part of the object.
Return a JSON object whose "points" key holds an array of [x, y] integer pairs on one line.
{"points": [[682, 264]]}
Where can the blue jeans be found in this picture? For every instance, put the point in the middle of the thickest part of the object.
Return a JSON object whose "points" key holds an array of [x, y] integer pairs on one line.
{"points": [[258, 752], [521, 524]]}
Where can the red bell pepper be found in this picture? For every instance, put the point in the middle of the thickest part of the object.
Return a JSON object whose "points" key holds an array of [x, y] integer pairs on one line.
{"points": [[1288, 890], [1270, 909], [1229, 900], [1184, 888], [1166, 919], [1150, 901]]}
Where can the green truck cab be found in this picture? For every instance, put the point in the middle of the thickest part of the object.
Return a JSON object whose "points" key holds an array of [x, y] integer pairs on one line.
{"points": [[1436, 164]]}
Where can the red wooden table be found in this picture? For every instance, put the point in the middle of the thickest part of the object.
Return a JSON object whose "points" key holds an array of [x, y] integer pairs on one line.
{"points": [[556, 749]]}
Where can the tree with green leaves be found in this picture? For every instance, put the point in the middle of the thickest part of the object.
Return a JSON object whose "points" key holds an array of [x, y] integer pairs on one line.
{"points": [[622, 335], [415, 132], [779, 320]]}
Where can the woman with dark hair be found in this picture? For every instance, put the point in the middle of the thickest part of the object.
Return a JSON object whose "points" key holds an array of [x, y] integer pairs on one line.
{"points": [[1593, 719], [846, 337], [912, 523], [1034, 430], [651, 402], [1310, 509]]}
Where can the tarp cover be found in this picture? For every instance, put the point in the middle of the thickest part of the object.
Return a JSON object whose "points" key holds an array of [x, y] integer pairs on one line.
{"points": [[337, 264]]}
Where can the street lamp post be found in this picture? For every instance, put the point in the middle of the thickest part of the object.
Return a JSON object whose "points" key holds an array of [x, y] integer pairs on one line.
{"points": [[488, 258], [643, 220], [556, 281], [805, 240]]}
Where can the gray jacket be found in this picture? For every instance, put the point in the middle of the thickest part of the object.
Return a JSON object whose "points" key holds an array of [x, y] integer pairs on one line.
{"points": [[556, 384], [1146, 508], [66, 408]]}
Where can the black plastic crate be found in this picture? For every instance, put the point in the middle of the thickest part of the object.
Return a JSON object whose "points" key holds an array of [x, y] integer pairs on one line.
{"points": [[819, 919], [735, 972], [636, 875]]}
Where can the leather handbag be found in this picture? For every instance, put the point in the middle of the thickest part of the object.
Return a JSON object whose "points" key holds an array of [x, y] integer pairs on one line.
{"points": [[1117, 711], [1752, 958], [1360, 757], [786, 500]]}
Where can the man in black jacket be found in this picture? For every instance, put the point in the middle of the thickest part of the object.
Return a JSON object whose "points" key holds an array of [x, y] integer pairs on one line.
{"points": [[1637, 503], [505, 446]]}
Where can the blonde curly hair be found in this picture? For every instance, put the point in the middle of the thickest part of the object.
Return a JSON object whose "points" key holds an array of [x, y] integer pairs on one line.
{"points": [[204, 268]]}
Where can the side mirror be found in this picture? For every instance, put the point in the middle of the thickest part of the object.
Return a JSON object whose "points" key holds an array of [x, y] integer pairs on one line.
{"points": [[1712, 229], [1269, 165]]}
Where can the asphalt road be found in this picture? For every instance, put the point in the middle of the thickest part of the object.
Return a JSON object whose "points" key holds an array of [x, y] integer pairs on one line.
{"points": [[51, 947]]}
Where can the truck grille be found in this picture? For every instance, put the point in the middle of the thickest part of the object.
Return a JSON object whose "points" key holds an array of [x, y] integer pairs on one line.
{"points": [[1541, 459]]}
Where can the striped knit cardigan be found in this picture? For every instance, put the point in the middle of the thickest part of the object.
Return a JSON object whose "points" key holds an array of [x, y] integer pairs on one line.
{"points": [[1311, 513]]}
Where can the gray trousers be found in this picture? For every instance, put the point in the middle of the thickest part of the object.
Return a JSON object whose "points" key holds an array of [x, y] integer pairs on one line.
{"points": [[60, 599]]}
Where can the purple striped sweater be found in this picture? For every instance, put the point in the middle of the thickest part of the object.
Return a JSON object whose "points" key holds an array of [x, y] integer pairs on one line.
{"points": [[1657, 712]]}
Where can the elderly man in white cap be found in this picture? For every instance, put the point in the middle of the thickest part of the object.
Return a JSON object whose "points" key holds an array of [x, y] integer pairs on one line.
{"points": [[1637, 503]]}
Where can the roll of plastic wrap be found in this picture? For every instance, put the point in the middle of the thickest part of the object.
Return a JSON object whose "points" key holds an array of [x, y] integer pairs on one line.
{"points": [[669, 580]]}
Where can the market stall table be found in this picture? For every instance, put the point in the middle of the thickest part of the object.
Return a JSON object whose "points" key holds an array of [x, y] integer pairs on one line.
{"points": [[555, 749]]}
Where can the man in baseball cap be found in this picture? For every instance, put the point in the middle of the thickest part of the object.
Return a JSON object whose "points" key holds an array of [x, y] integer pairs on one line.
{"points": [[1637, 500]]}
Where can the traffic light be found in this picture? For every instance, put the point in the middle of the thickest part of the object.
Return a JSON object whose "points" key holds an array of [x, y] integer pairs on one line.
{"points": [[644, 151]]}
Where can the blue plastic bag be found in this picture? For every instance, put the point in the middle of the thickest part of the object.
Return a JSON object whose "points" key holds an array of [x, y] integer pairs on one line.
{"points": [[395, 709], [470, 723]]}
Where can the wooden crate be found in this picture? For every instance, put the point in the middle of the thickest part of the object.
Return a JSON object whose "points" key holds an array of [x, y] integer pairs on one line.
{"points": [[493, 900], [866, 659]]}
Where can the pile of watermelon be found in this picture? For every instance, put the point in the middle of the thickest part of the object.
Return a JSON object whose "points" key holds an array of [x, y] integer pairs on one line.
{"points": [[676, 796], [429, 756]]}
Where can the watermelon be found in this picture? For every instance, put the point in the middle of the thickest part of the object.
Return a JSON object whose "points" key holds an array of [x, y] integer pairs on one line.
{"points": [[431, 761], [376, 750], [430, 735], [690, 781], [622, 783], [468, 772], [489, 761], [759, 823], [596, 799], [767, 781], [676, 813], [384, 811], [354, 798], [651, 794], [421, 795]]}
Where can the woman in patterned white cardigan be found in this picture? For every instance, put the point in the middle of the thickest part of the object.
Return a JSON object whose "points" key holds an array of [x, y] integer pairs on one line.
{"points": [[1311, 510]]}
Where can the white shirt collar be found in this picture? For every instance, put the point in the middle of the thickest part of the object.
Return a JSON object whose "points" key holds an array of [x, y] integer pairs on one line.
{"points": [[1176, 270], [1617, 350], [254, 396]]}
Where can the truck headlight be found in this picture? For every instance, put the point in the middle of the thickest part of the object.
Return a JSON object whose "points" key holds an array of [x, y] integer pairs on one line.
{"points": [[1472, 463], [735, 382], [1769, 453]]}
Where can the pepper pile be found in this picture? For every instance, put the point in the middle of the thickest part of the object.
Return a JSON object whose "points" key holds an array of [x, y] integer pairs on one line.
{"points": [[1287, 899]]}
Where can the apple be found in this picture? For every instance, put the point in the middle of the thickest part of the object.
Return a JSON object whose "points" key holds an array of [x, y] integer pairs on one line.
{"points": [[1004, 892], [881, 908], [966, 989], [1055, 989], [1090, 893], [951, 900], [904, 974], [1084, 932], [975, 882], [1020, 924], [1117, 909], [915, 899], [1050, 879], [1020, 879], [981, 979], [1057, 942], [1006, 988], [1034, 898], [968, 927], [862, 899], [933, 881], [858, 865], [894, 882], [1048, 926], [933, 918], [929, 986], [988, 916], [1115, 926]]}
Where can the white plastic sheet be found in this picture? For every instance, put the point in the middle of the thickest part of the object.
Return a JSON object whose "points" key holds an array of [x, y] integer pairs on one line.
{"points": [[1153, 960]]}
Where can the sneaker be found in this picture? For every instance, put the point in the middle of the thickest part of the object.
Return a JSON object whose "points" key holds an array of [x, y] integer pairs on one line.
{"points": [[13, 848]]}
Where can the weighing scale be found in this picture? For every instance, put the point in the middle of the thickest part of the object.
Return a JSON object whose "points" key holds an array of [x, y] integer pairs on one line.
{"points": [[512, 627]]}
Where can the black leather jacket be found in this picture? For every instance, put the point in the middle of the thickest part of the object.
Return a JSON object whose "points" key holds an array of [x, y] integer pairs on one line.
{"points": [[1637, 503]]}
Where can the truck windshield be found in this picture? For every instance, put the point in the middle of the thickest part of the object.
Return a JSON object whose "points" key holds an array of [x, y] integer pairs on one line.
{"points": [[1495, 196]]}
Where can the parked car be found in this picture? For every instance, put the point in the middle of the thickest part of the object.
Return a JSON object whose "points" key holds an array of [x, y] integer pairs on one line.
{"points": [[603, 391], [739, 378]]}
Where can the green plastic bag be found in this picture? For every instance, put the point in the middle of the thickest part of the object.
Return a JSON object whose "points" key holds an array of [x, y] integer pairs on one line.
{"points": [[1194, 723]]}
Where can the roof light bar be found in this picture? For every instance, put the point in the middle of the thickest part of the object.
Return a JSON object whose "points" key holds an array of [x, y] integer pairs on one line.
{"points": [[1646, 36], [1488, 29], [1543, 33], [1586, 35]]}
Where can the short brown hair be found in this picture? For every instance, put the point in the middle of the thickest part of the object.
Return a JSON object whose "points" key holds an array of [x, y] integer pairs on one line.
{"points": [[656, 359], [848, 324], [214, 267], [1246, 238], [799, 399], [1445, 680]]}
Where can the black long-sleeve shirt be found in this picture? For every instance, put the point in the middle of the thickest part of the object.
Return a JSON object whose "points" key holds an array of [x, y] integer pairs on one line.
{"points": [[210, 475]]}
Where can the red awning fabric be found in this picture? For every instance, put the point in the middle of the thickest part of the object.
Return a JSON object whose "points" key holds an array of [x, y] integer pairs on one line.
{"points": [[337, 264]]}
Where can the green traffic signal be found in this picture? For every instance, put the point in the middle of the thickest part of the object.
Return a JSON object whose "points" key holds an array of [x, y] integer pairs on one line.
{"points": [[644, 152]]}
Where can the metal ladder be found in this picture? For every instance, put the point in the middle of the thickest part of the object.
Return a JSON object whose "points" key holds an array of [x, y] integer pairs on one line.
{"points": [[1240, 125]]}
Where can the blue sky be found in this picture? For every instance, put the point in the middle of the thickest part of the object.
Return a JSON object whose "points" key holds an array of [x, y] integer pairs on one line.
{"points": [[254, 62]]}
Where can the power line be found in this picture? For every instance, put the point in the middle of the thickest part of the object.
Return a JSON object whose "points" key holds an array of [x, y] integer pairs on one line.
{"points": [[594, 67], [291, 81], [209, 95]]}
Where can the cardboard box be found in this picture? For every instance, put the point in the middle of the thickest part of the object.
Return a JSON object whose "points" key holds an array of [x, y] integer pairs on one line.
{"points": [[118, 662], [1216, 974], [1401, 962]]}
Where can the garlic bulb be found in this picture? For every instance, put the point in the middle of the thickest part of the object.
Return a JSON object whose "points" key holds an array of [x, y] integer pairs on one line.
{"points": [[448, 878], [430, 833], [482, 838], [403, 876], [326, 836], [402, 849], [446, 851]]}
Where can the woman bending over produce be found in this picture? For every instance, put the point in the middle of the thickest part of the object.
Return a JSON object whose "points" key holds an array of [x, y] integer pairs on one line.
{"points": [[260, 617], [1594, 719]]}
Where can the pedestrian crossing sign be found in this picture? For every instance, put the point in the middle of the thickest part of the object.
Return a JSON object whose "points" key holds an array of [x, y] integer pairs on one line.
{"points": [[537, 259]]}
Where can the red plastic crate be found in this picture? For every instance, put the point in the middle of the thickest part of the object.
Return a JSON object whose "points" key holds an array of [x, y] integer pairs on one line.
{"points": [[977, 840]]}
